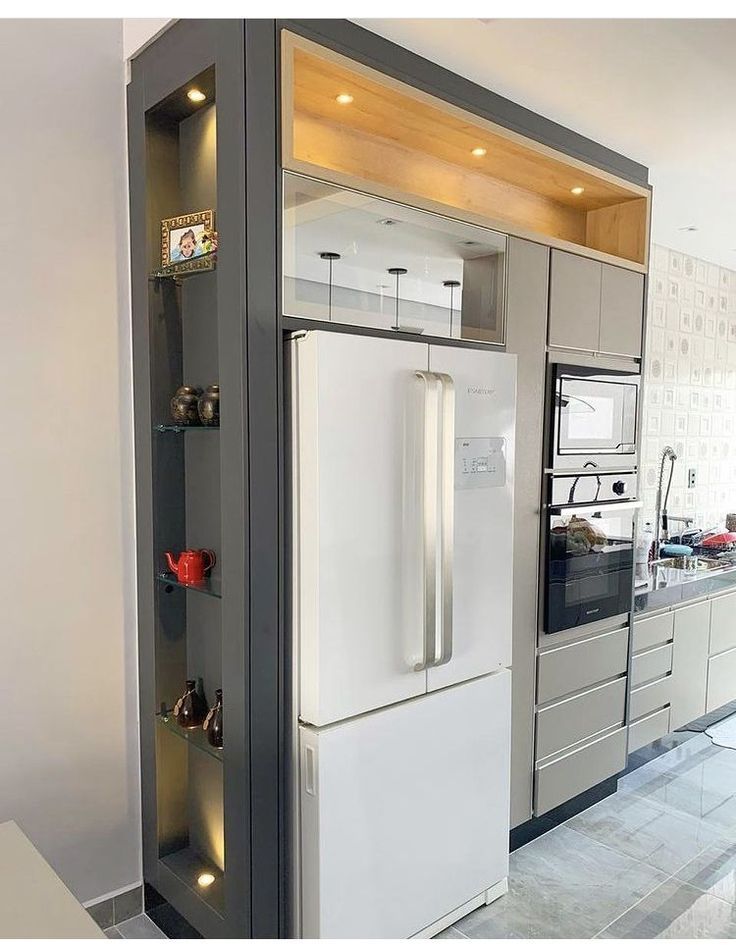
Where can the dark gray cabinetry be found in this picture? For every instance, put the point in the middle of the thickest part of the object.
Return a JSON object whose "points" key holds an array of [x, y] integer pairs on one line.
{"points": [[212, 843], [594, 306]]}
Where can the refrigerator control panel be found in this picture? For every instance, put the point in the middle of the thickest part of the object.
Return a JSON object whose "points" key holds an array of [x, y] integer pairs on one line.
{"points": [[480, 462]]}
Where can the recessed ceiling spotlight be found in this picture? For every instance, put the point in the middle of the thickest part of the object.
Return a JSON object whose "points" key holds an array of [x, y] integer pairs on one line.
{"points": [[194, 95], [387, 221], [689, 229], [205, 879], [479, 152], [344, 98], [468, 242], [577, 191]]}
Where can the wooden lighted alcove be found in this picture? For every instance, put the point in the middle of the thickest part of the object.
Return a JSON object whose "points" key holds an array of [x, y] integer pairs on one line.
{"points": [[404, 144]]}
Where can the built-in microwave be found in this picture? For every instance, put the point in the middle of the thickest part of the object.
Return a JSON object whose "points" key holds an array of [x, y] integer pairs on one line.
{"points": [[594, 417]]}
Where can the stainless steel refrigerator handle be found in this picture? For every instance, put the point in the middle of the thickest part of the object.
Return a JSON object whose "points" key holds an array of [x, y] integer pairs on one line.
{"points": [[446, 464], [430, 433], [599, 507]]}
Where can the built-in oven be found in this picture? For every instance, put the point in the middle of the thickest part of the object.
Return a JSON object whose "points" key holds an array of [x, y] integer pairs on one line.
{"points": [[590, 547], [594, 417]]}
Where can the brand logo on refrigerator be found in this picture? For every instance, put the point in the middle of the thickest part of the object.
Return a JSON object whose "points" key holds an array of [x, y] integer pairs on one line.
{"points": [[482, 391]]}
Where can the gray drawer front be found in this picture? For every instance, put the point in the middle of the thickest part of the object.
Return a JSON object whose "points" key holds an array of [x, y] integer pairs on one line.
{"points": [[558, 781], [653, 631], [721, 680], [564, 724], [647, 730], [580, 665], [651, 665], [722, 624], [652, 696]]}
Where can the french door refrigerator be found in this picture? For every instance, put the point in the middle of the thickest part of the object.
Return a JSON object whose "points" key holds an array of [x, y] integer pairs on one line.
{"points": [[402, 553]]}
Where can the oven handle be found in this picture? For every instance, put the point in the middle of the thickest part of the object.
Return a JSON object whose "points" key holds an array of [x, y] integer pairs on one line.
{"points": [[598, 507]]}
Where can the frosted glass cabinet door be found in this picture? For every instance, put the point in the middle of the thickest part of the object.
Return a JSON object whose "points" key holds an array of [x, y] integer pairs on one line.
{"points": [[356, 543]]}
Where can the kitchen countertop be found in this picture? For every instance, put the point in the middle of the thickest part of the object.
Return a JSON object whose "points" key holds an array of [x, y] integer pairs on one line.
{"points": [[669, 587], [34, 903]]}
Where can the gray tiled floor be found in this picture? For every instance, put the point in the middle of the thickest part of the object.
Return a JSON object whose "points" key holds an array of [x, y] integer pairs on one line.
{"points": [[655, 860]]}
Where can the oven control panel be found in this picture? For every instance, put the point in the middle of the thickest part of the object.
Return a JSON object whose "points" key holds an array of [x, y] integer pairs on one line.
{"points": [[480, 462], [592, 486]]}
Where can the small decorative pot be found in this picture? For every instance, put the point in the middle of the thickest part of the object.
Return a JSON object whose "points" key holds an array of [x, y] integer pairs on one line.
{"points": [[209, 406], [191, 709], [213, 723], [184, 405]]}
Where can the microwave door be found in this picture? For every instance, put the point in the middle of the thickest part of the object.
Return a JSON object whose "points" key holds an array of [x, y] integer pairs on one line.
{"points": [[595, 417]]}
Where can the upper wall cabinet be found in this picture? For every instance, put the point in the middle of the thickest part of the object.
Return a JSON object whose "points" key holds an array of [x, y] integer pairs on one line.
{"points": [[358, 260], [348, 124], [594, 306]]}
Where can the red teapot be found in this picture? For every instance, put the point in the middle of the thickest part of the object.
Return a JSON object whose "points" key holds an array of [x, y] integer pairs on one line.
{"points": [[192, 566]]}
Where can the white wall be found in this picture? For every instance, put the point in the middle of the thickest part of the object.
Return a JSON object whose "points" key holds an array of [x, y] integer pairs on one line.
{"points": [[690, 387], [139, 33], [69, 773]]}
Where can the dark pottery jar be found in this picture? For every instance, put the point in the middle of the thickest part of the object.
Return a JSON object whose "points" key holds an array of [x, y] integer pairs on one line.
{"points": [[191, 709], [209, 406], [184, 405], [213, 722]]}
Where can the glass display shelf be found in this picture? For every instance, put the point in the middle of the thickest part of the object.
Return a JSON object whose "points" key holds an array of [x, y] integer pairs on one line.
{"points": [[191, 866], [186, 268], [180, 428], [356, 259], [196, 737], [212, 587]]}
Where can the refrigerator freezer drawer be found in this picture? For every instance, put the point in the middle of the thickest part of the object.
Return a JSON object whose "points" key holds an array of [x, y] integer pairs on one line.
{"points": [[405, 812]]}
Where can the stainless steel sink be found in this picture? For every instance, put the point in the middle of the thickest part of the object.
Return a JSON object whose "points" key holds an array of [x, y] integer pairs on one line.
{"points": [[691, 563]]}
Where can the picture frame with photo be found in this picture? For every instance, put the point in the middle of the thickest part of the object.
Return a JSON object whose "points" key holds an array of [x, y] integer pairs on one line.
{"points": [[188, 242]]}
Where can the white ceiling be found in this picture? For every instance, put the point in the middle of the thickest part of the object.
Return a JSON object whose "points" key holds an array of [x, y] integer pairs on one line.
{"points": [[662, 92]]}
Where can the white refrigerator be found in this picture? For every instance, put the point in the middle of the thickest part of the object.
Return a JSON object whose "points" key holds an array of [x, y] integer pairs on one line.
{"points": [[402, 489]]}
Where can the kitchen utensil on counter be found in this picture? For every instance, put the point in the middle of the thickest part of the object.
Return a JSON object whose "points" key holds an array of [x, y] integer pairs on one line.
{"points": [[689, 536], [671, 550], [719, 538], [192, 565], [643, 547], [208, 406], [191, 709], [184, 405], [213, 723]]}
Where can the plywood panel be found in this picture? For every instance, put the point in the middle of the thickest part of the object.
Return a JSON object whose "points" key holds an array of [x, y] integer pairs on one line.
{"points": [[621, 230], [358, 157], [379, 109], [415, 145]]}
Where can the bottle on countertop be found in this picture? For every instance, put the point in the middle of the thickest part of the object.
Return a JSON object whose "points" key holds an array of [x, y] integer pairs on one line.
{"points": [[644, 553]]}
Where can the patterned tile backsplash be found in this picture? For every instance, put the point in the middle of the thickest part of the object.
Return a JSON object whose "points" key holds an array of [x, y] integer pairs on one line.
{"points": [[690, 386]]}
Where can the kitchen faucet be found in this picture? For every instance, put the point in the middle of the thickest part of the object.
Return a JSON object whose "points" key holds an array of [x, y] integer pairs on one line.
{"points": [[661, 511]]}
